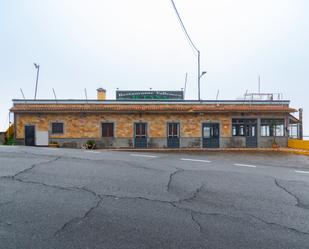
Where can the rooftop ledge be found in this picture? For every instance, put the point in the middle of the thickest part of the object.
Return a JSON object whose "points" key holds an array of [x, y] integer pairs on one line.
{"points": [[151, 102]]}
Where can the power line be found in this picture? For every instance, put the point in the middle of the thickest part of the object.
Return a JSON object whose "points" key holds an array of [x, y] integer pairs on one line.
{"points": [[199, 75], [184, 28]]}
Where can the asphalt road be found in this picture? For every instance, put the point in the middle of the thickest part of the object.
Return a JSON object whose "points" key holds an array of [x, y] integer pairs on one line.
{"points": [[62, 198]]}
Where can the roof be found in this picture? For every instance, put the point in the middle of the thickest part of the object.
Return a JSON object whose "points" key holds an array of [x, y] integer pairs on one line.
{"points": [[137, 106]]}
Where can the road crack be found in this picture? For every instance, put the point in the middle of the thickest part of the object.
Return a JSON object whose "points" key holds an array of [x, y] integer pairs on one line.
{"points": [[298, 200], [278, 225], [171, 178]]}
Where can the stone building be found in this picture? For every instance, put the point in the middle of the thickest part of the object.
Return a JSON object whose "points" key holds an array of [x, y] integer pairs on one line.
{"points": [[150, 123]]}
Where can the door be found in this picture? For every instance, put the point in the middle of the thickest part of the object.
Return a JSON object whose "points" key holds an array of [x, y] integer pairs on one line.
{"points": [[140, 135], [173, 140], [251, 138], [211, 135], [29, 135]]}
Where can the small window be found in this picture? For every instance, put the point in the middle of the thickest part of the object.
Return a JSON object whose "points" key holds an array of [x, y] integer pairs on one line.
{"points": [[107, 129], [57, 128]]}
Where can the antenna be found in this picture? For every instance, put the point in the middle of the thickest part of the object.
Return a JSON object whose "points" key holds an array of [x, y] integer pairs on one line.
{"points": [[217, 97], [259, 84], [55, 94], [86, 95], [37, 66], [22, 93], [184, 92]]}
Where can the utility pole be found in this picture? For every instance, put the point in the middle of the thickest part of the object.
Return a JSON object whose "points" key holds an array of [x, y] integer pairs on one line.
{"points": [[37, 66]]}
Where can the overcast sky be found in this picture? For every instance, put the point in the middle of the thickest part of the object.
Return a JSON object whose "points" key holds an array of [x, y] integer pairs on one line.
{"points": [[138, 44]]}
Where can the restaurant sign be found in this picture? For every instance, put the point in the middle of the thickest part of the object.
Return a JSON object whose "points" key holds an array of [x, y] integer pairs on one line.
{"points": [[155, 95]]}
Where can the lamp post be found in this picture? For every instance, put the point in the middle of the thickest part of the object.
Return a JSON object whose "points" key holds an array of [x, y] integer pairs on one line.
{"points": [[37, 66], [199, 75]]}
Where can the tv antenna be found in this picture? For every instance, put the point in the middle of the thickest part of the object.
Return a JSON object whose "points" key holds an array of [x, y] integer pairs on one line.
{"points": [[55, 94], [185, 88]]}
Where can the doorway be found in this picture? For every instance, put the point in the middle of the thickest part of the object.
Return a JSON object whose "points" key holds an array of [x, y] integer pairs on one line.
{"points": [[140, 135], [29, 135], [211, 135]]}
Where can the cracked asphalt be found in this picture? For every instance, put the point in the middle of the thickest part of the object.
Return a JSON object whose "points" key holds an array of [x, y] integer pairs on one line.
{"points": [[62, 198]]}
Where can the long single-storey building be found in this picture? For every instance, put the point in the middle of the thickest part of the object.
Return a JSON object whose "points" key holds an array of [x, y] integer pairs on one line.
{"points": [[153, 123]]}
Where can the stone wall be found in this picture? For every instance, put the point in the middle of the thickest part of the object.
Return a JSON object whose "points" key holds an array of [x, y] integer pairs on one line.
{"points": [[89, 125], [78, 128]]}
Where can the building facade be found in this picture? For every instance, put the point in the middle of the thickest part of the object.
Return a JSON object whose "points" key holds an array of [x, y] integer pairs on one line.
{"points": [[153, 123]]}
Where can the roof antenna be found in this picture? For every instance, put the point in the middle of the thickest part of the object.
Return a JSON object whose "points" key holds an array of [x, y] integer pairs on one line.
{"points": [[217, 97], [86, 95], [55, 95], [37, 66], [259, 84], [22, 93], [184, 92]]}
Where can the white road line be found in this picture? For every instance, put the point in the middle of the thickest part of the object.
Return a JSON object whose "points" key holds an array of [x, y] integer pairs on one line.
{"points": [[142, 155], [195, 160], [91, 151], [302, 172], [244, 165]]}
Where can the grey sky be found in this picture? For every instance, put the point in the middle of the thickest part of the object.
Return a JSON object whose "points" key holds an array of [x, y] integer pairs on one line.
{"points": [[138, 44]]}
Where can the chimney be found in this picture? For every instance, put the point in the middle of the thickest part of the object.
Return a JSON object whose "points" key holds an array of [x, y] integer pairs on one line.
{"points": [[101, 94], [300, 136]]}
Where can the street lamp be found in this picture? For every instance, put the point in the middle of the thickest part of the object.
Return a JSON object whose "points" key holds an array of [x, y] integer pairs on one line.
{"points": [[37, 66], [199, 75]]}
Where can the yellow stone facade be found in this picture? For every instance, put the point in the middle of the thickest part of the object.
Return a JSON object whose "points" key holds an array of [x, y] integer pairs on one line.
{"points": [[89, 125]]}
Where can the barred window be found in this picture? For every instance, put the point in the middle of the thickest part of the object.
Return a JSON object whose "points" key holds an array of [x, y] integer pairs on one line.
{"points": [[57, 128]]}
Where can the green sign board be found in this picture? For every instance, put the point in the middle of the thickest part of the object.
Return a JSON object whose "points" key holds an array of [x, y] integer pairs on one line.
{"points": [[148, 95]]}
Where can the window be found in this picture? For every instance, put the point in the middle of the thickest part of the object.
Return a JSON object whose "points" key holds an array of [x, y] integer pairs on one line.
{"points": [[173, 130], [244, 127], [107, 129], [57, 128], [272, 127], [141, 130]]}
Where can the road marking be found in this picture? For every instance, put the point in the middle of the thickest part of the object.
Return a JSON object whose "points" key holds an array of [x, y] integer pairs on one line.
{"points": [[302, 172], [142, 155], [195, 160], [92, 151], [244, 165]]}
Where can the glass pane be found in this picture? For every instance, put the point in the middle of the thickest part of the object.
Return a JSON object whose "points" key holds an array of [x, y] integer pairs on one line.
{"points": [[253, 131], [137, 130], [143, 129], [241, 130], [279, 130], [234, 130], [175, 130], [265, 131], [170, 130], [206, 132]]}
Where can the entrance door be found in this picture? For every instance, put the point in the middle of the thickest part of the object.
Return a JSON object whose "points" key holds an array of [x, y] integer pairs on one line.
{"points": [[140, 133], [211, 135], [29, 135], [251, 138], [173, 140]]}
